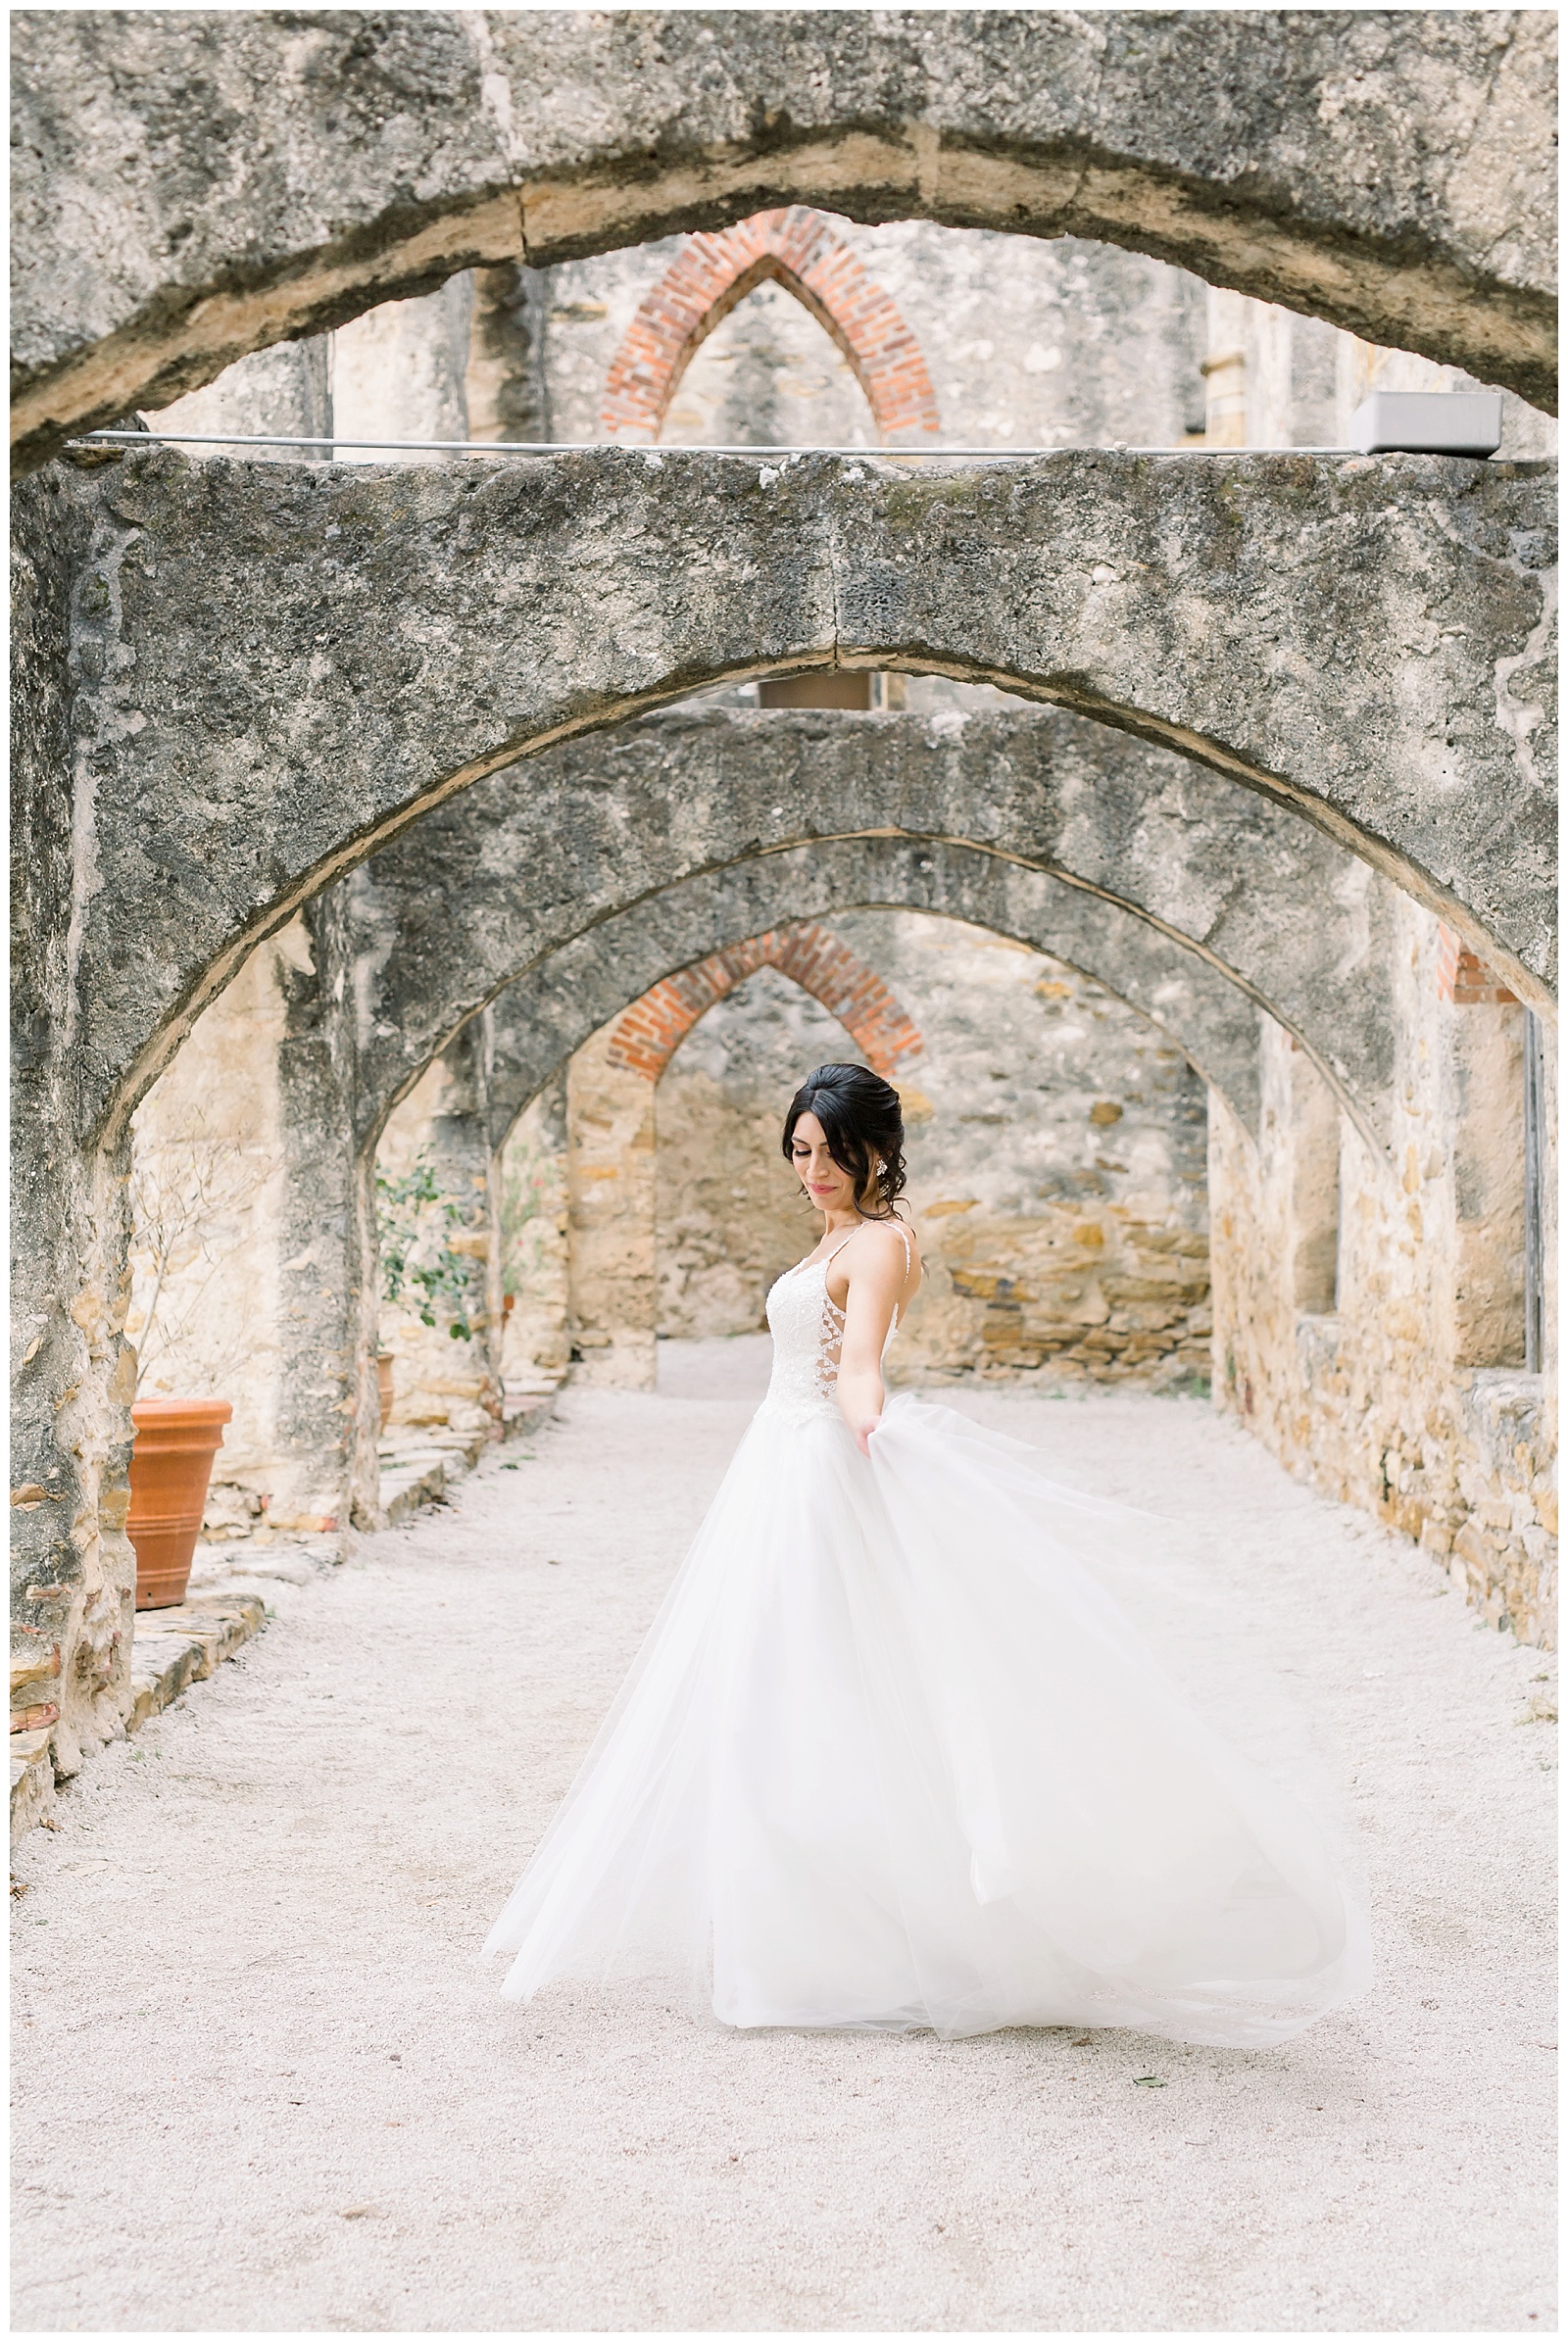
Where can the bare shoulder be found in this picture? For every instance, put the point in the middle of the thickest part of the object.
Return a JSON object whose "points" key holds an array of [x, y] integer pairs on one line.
{"points": [[882, 1265], [892, 1245]]}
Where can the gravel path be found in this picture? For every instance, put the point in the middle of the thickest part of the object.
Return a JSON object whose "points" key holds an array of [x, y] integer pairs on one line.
{"points": [[265, 2085]]}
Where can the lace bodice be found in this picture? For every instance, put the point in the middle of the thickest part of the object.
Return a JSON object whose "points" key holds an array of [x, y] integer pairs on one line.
{"points": [[808, 1328]]}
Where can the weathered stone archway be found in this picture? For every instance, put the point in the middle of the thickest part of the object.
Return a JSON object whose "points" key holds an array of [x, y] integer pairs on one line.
{"points": [[1361, 639], [1364, 640], [551, 907], [363, 158], [546, 1013], [559, 852], [537, 1022]]}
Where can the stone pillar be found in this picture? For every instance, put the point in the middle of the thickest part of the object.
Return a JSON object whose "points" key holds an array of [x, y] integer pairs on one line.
{"points": [[72, 1373], [1300, 1154], [1489, 1183], [508, 393], [610, 1185], [327, 1411]]}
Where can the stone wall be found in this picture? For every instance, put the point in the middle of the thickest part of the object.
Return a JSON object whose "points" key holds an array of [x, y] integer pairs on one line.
{"points": [[1056, 1168], [1400, 1382]]}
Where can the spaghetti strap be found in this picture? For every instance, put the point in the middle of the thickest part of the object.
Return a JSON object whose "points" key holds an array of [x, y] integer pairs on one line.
{"points": [[904, 1238]]}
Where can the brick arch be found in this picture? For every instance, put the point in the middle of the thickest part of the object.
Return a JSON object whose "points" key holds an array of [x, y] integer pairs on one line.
{"points": [[800, 249], [652, 1028]]}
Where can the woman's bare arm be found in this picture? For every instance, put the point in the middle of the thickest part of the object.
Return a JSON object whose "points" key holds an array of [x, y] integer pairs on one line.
{"points": [[876, 1282]]}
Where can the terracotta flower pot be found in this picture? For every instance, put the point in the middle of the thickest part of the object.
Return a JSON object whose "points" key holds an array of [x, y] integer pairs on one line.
{"points": [[508, 1302], [171, 1465], [384, 1385]]}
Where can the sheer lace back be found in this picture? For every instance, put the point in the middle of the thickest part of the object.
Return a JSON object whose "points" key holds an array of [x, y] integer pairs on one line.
{"points": [[808, 1328]]}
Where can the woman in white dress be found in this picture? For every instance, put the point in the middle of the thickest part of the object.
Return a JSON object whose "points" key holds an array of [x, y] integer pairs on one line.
{"points": [[890, 1756]]}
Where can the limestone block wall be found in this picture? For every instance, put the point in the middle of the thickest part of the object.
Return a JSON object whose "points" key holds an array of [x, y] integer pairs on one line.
{"points": [[1057, 1170], [536, 1243], [1402, 1385], [609, 1201]]}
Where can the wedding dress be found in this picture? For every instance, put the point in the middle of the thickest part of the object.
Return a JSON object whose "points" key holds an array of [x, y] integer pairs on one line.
{"points": [[891, 1757]]}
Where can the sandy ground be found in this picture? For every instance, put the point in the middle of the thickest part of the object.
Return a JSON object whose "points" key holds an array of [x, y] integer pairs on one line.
{"points": [[265, 2084]]}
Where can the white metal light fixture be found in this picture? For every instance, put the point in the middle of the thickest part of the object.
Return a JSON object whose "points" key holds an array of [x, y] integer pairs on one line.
{"points": [[1429, 422]]}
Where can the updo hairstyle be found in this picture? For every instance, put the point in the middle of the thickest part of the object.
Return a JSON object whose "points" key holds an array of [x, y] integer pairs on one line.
{"points": [[863, 1125]]}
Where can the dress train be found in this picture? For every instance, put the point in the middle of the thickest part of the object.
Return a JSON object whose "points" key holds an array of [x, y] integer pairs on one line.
{"points": [[892, 1756]]}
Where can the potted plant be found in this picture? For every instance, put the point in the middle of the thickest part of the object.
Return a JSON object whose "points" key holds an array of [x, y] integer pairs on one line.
{"points": [[171, 1465]]}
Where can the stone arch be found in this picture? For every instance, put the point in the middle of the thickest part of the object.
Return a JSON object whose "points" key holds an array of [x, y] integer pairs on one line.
{"points": [[653, 1029], [535, 1023], [547, 1007], [515, 867], [711, 274], [1270, 615], [365, 159]]}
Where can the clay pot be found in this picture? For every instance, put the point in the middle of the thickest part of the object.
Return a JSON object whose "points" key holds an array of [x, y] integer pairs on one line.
{"points": [[171, 1465], [508, 1302], [384, 1386]]}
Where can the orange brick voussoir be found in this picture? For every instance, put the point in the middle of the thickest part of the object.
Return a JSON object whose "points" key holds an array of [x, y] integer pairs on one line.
{"points": [[1466, 980], [649, 1032], [710, 274]]}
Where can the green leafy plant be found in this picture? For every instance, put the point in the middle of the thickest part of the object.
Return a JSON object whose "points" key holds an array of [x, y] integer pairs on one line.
{"points": [[420, 1272]]}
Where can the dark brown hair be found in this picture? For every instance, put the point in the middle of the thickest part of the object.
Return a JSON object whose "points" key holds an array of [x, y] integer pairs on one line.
{"points": [[863, 1125]]}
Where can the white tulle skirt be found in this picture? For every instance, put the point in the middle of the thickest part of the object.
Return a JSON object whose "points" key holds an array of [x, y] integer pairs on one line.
{"points": [[892, 1756]]}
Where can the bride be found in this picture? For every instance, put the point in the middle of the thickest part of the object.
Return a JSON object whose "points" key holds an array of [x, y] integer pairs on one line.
{"points": [[891, 1755]]}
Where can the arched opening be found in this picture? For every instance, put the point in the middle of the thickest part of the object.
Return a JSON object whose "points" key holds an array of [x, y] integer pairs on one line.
{"points": [[769, 375], [759, 392], [1279, 208], [1057, 1147]]}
